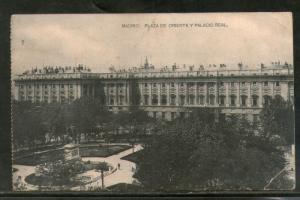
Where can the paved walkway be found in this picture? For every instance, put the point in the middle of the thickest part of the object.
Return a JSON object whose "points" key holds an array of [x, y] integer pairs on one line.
{"points": [[23, 172], [122, 175], [291, 166]]}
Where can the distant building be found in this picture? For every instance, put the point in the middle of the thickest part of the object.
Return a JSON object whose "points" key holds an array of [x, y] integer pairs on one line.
{"points": [[165, 93]]}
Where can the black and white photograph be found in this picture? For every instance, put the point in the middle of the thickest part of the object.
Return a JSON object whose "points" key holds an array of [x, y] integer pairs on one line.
{"points": [[153, 103]]}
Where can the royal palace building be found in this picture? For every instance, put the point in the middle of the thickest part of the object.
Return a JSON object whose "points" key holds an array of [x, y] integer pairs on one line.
{"points": [[163, 93]]}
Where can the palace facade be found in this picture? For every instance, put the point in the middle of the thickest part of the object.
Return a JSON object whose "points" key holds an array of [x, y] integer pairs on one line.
{"points": [[165, 93]]}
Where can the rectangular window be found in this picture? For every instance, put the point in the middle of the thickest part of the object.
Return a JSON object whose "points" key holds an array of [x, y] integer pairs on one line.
{"points": [[146, 99], [154, 84], [201, 100], [172, 84], [277, 83], [173, 100], [121, 100], [172, 115], [112, 101], [244, 100], [163, 115], [163, 100], [232, 84], [221, 83], [191, 99], [62, 86], [232, 100], [200, 84], [243, 83], [255, 118], [254, 100], [266, 83], [211, 100], [222, 100], [163, 85], [154, 115], [146, 85], [182, 100], [254, 83], [154, 100], [182, 114]]}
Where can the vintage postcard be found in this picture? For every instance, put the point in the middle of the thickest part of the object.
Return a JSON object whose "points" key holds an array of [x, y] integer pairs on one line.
{"points": [[147, 103]]}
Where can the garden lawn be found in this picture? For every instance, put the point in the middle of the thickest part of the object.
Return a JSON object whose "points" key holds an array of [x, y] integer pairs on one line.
{"points": [[102, 151], [133, 157], [57, 154]]}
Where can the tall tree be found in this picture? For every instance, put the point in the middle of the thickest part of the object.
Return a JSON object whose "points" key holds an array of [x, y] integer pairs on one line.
{"points": [[278, 118], [102, 167]]}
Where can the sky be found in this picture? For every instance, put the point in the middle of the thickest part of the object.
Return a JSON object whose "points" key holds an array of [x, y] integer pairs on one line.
{"points": [[99, 40]]}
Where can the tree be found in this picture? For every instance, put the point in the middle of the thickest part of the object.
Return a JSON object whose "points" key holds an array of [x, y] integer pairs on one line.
{"points": [[278, 119], [28, 127], [201, 153], [103, 166]]}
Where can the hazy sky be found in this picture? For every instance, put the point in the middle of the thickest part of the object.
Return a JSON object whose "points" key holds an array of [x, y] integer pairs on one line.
{"points": [[98, 40]]}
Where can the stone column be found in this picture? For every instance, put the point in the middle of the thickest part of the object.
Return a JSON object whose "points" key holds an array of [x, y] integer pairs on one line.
{"points": [[207, 94], [117, 94], [42, 92], [158, 86], [238, 95], [128, 93], [272, 88], [260, 95], [16, 91], [186, 94], [249, 95], [150, 93], [227, 94], [33, 93], [177, 94], [168, 93]]}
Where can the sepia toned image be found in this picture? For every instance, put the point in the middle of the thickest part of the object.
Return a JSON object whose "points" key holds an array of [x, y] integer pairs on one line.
{"points": [[148, 103]]}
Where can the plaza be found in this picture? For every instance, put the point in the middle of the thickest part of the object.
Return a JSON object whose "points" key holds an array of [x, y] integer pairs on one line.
{"points": [[122, 174]]}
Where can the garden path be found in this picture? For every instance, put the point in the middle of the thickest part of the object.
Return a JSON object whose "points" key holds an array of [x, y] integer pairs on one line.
{"points": [[122, 175]]}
